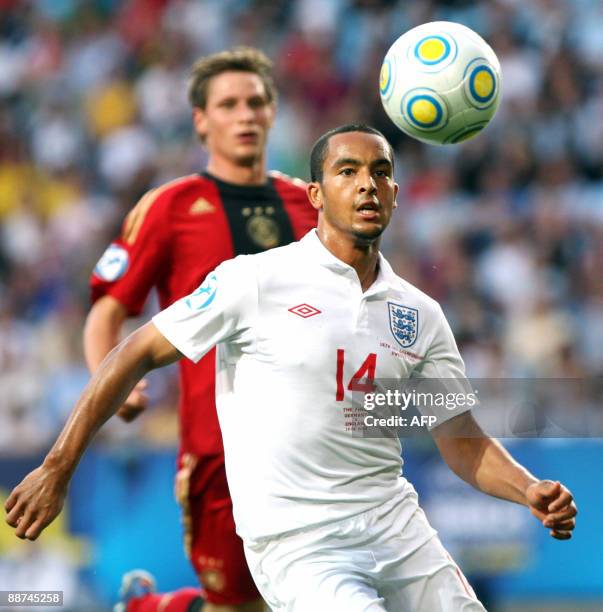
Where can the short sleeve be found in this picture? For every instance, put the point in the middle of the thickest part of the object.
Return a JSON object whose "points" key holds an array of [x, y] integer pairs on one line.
{"points": [[222, 309], [441, 374], [442, 359], [135, 262]]}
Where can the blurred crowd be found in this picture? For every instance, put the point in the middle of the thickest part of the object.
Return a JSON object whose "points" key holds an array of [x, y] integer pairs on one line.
{"points": [[506, 231]]}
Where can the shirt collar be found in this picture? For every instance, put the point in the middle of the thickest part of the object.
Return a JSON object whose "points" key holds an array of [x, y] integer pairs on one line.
{"points": [[386, 278]]}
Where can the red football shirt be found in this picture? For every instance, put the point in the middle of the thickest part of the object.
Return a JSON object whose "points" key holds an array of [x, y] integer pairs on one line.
{"points": [[173, 238]]}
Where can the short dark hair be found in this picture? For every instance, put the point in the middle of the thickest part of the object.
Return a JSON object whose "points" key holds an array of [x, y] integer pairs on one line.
{"points": [[243, 59], [321, 147]]}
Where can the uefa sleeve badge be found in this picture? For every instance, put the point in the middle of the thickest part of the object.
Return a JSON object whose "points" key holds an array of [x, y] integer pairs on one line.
{"points": [[204, 295], [113, 263]]}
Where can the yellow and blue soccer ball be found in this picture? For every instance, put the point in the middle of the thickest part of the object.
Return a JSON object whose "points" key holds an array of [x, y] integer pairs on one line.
{"points": [[440, 83]]}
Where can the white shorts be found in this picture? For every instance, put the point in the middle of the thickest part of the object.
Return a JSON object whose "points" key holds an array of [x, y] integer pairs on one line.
{"points": [[388, 559]]}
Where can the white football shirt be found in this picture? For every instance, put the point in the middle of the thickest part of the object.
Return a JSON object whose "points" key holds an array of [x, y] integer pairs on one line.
{"points": [[293, 328]]}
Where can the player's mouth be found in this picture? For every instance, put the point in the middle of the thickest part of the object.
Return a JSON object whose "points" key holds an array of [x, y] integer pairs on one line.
{"points": [[369, 209], [247, 137]]}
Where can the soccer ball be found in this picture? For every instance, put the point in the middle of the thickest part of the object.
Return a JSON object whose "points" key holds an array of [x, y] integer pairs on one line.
{"points": [[440, 83]]}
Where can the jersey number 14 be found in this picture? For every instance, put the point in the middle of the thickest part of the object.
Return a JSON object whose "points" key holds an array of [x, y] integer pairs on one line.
{"points": [[363, 380]]}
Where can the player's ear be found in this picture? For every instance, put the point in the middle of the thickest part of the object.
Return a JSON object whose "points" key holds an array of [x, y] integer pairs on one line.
{"points": [[396, 189], [314, 192], [200, 122]]}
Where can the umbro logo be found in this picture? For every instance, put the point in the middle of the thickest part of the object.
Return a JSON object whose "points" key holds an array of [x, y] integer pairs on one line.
{"points": [[304, 311]]}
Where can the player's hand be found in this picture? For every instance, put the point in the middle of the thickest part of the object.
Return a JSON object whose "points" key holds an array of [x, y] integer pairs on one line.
{"points": [[188, 463], [135, 404], [553, 504], [36, 502]]}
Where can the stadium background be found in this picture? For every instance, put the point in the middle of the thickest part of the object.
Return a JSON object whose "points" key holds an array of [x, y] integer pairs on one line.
{"points": [[505, 231]]}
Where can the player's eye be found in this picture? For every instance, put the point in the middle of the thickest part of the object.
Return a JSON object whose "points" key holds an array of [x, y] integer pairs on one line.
{"points": [[347, 171], [256, 102], [382, 173], [228, 103]]}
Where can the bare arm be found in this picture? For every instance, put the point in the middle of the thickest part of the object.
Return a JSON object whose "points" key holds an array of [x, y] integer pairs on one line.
{"points": [[481, 461], [101, 334], [485, 464], [102, 329], [35, 502]]}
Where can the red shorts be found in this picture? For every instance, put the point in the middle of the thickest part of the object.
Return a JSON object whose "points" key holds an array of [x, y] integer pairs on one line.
{"points": [[211, 543]]}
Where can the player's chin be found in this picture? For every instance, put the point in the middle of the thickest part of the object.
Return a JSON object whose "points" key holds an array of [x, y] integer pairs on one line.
{"points": [[248, 158], [248, 154], [368, 230]]}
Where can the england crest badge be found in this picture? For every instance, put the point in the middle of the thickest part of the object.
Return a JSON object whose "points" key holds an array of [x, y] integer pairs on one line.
{"points": [[404, 323]]}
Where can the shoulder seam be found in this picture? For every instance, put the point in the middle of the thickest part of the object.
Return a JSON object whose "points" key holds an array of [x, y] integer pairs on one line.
{"points": [[287, 179], [137, 215]]}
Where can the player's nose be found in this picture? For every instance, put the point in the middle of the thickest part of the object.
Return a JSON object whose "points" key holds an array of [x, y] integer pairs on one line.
{"points": [[246, 113], [366, 181]]}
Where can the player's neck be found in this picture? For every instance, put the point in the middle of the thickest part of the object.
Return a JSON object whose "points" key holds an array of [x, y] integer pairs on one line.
{"points": [[229, 172], [364, 258], [367, 268]]}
